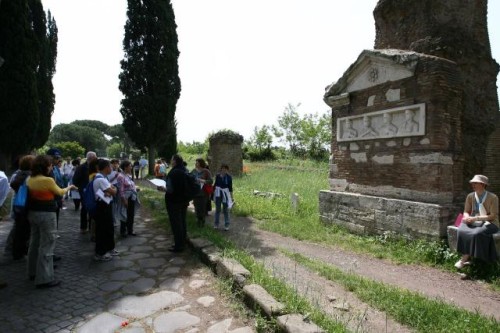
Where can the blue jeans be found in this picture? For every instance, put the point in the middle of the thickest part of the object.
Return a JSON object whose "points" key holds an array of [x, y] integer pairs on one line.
{"points": [[42, 244], [218, 205]]}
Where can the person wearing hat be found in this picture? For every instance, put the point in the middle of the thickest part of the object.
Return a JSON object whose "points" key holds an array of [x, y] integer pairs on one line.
{"points": [[479, 223]]}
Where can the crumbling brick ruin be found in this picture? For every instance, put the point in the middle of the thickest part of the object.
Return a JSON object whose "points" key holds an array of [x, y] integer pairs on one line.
{"points": [[413, 120]]}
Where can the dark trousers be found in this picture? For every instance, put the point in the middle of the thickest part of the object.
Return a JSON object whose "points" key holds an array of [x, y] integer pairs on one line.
{"points": [[21, 236], [128, 226], [104, 228], [177, 217], [84, 218]]}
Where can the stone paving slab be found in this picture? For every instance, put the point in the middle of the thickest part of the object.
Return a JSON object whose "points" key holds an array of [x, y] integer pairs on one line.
{"points": [[144, 289]]}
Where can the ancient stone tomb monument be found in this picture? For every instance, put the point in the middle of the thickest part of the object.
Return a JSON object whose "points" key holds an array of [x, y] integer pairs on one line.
{"points": [[396, 154], [225, 148]]}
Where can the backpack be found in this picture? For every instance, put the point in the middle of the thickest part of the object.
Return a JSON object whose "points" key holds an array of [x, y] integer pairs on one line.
{"points": [[163, 170], [20, 203], [88, 199], [192, 188]]}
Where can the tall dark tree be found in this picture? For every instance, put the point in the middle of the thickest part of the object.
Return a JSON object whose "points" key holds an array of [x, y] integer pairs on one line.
{"points": [[149, 79], [46, 46], [18, 86]]}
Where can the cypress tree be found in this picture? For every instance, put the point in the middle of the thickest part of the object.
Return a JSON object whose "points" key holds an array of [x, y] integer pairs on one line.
{"points": [[149, 79], [18, 91], [46, 43]]}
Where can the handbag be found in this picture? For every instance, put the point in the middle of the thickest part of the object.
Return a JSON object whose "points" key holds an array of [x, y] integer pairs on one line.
{"points": [[459, 219], [20, 203], [208, 189]]}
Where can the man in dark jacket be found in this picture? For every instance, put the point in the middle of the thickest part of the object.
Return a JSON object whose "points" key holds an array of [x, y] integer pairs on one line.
{"points": [[175, 201], [80, 180]]}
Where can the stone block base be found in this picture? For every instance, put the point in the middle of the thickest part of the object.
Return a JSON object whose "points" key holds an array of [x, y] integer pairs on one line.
{"points": [[452, 238], [374, 215]]}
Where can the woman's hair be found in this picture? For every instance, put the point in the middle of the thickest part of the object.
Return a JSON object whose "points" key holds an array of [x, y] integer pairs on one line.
{"points": [[75, 162], [125, 164], [178, 159], [93, 166], [26, 162], [41, 165], [102, 164], [201, 162]]}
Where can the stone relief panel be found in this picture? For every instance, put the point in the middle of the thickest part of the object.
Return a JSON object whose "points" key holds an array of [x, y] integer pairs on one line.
{"points": [[397, 122]]}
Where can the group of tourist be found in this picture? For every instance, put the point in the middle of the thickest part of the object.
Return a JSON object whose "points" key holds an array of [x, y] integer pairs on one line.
{"points": [[177, 202], [34, 232]]}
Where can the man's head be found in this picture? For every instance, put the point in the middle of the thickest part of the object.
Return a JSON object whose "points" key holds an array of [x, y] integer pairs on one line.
{"points": [[91, 156]]}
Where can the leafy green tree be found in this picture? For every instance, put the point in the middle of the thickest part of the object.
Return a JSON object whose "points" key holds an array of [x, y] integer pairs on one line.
{"points": [[262, 138], [289, 130], [70, 149], [119, 136], [315, 135], [89, 138], [18, 89], [95, 124], [258, 147], [114, 150], [149, 79]]}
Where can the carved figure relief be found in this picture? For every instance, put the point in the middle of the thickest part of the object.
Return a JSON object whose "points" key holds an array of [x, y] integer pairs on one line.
{"points": [[349, 131], [388, 128], [410, 125], [368, 131], [402, 121]]}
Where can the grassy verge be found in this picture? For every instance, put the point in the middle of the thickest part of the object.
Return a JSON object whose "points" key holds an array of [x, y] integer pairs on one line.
{"points": [[408, 308], [307, 179]]}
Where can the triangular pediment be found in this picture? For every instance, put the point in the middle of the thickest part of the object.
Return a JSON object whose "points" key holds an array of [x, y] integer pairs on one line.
{"points": [[374, 67]]}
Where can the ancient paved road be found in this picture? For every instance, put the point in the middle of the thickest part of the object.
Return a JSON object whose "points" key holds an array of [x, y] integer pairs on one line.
{"points": [[146, 288]]}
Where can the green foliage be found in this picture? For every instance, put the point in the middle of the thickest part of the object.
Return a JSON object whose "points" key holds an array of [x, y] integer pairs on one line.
{"points": [[70, 149], [114, 150], [89, 138], [193, 148], [95, 124], [225, 134], [149, 79], [45, 69], [307, 136], [258, 147], [18, 85]]}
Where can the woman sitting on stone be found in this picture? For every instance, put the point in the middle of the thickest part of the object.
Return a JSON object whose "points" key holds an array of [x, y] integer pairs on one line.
{"points": [[479, 223]]}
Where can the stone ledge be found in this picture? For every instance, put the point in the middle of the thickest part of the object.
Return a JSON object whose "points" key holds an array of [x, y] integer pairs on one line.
{"points": [[254, 294], [296, 323], [452, 238]]}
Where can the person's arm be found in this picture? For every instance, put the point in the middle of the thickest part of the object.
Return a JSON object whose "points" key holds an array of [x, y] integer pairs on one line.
{"points": [[52, 186]]}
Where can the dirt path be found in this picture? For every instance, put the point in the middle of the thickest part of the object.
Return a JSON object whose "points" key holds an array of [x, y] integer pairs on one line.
{"points": [[433, 283]]}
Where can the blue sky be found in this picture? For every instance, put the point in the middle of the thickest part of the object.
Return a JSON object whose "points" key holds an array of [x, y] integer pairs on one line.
{"points": [[241, 62]]}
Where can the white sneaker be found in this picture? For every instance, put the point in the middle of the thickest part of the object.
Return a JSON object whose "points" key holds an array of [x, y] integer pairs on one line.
{"points": [[216, 227], [105, 257], [460, 264], [113, 253], [226, 228]]}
